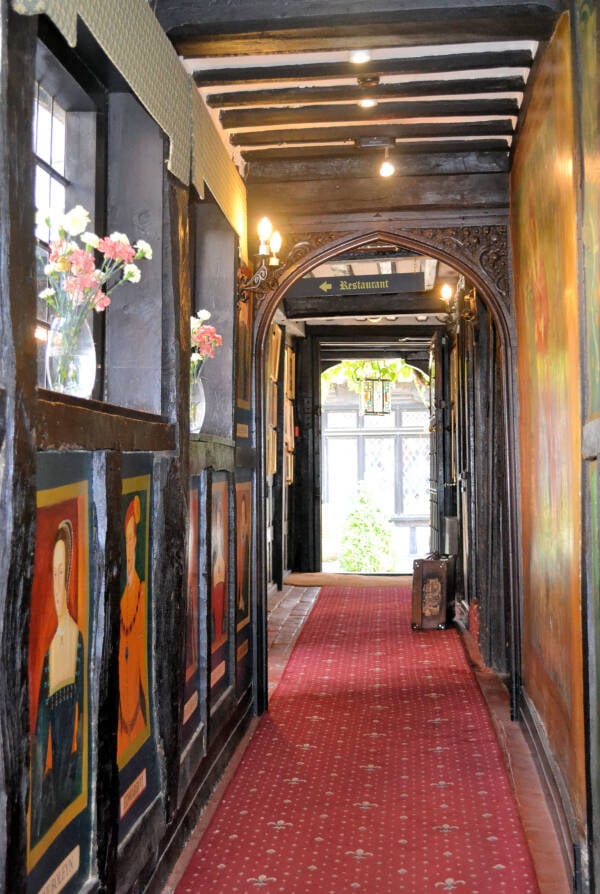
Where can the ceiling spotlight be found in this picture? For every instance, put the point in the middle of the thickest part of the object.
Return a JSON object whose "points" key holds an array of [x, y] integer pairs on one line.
{"points": [[359, 57], [387, 168], [422, 318], [367, 103], [367, 80]]}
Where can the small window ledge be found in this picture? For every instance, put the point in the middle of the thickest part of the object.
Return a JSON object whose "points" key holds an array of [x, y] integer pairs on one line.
{"points": [[65, 422]]}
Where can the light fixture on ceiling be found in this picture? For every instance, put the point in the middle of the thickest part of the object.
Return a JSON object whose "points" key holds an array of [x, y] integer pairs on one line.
{"points": [[387, 168], [375, 397], [368, 80], [369, 102], [359, 57], [374, 319]]}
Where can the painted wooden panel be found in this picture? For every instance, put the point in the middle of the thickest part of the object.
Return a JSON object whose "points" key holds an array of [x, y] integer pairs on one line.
{"points": [[59, 823], [220, 670], [546, 298], [136, 748]]}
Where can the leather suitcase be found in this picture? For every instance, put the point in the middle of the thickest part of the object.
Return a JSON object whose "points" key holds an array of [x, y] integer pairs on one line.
{"points": [[432, 587]]}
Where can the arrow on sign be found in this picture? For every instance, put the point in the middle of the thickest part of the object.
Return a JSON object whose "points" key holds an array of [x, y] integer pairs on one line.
{"points": [[325, 286]]}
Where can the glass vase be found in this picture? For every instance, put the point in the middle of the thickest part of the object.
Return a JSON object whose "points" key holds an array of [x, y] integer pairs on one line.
{"points": [[197, 403], [70, 357]]}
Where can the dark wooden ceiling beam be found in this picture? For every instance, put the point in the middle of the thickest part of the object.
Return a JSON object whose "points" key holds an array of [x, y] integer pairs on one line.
{"points": [[388, 111], [341, 196], [452, 130], [365, 163], [324, 70], [443, 147], [365, 304], [305, 95], [208, 27]]}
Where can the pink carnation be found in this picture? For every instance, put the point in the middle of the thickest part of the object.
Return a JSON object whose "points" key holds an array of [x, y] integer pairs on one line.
{"points": [[101, 300], [81, 262], [57, 248], [119, 251]]}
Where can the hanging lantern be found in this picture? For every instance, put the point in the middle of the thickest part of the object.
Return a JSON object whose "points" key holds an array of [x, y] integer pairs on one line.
{"points": [[375, 397]]}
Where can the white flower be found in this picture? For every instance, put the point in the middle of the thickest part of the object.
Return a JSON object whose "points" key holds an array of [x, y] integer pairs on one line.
{"points": [[143, 249], [75, 221], [194, 323], [131, 273], [90, 239], [119, 237], [49, 269], [47, 293], [203, 315], [194, 356]]}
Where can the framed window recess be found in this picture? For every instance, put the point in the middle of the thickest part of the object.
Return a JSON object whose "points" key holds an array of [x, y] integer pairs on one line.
{"points": [[67, 134]]}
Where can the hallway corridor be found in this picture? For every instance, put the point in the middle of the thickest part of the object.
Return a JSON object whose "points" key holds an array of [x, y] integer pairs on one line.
{"points": [[340, 801]]}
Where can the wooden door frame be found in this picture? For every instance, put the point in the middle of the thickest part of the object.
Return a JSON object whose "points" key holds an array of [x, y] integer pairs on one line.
{"points": [[480, 252]]}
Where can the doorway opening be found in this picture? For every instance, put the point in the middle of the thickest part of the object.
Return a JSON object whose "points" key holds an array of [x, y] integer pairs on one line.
{"points": [[375, 505]]}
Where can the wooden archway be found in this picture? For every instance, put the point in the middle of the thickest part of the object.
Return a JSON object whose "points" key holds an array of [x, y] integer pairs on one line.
{"points": [[480, 253]]}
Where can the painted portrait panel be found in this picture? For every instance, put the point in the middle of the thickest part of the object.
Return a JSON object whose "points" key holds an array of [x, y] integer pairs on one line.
{"points": [[219, 586], [219, 564], [244, 353], [243, 517], [134, 715], [192, 713], [58, 823], [139, 782]]}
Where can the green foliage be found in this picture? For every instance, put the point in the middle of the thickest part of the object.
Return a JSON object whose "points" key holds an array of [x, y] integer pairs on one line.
{"points": [[352, 372], [366, 537]]}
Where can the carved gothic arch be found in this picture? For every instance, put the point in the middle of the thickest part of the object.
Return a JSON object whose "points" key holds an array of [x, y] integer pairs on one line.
{"points": [[481, 254]]}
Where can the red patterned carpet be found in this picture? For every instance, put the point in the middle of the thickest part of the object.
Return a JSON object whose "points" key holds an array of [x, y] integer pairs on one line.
{"points": [[376, 769]]}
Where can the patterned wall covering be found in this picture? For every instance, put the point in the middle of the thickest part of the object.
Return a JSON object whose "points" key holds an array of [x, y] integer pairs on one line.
{"points": [[139, 48], [544, 225], [211, 165]]}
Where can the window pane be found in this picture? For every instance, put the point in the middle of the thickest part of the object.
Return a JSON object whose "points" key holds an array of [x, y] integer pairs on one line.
{"points": [[43, 131], [342, 472], [380, 472], [386, 421], [415, 419], [339, 419], [58, 139], [57, 200], [415, 480], [42, 200]]}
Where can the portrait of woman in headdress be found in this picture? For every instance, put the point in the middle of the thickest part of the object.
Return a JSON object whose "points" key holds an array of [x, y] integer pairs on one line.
{"points": [[57, 746], [133, 688]]}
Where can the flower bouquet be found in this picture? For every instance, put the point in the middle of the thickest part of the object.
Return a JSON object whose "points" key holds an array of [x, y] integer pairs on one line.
{"points": [[204, 340], [76, 286]]}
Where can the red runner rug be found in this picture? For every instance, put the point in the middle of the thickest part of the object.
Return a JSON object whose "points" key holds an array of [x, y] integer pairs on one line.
{"points": [[376, 770]]}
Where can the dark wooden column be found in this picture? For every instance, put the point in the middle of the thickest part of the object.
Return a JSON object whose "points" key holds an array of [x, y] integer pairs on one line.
{"points": [[17, 456]]}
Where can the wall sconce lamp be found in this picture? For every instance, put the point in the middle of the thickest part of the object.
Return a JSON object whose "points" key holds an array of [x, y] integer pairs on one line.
{"points": [[269, 242], [461, 305], [267, 260], [387, 168]]}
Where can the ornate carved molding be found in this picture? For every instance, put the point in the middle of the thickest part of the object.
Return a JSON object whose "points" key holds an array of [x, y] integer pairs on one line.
{"points": [[481, 250]]}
